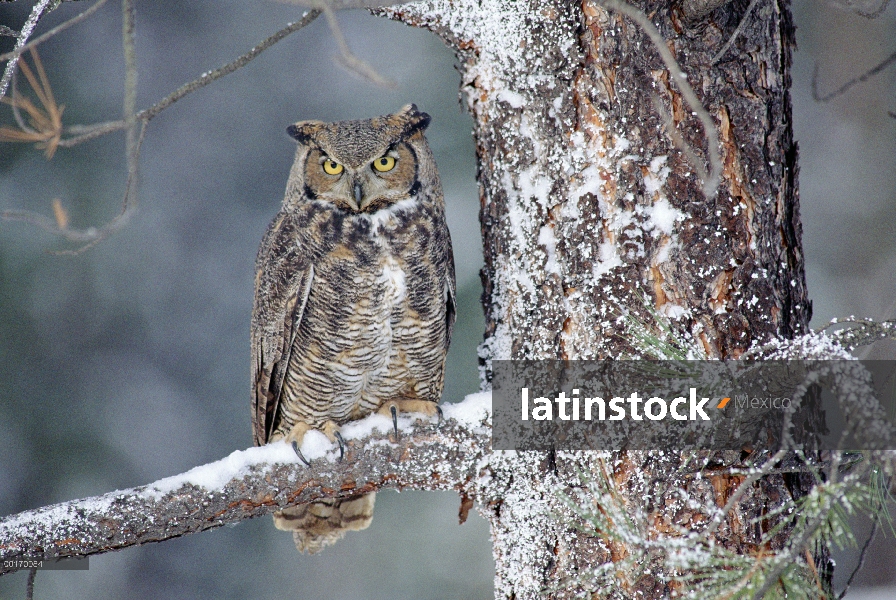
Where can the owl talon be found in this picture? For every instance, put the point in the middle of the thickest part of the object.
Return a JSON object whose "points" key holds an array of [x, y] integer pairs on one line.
{"points": [[394, 412], [439, 413], [295, 447], [341, 443]]}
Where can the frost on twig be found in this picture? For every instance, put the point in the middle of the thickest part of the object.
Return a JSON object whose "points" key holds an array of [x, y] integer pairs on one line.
{"points": [[258, 481], [855, 333], [22, 37], [53, 32]]}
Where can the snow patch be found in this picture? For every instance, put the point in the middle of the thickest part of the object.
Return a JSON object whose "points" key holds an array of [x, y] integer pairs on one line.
{"points": [[514, 99], [471, 411], [662, 253], [608, 260], [546, 238], [657, 174], [214, 476], [674, 311], [376, 423], [662, 216]]}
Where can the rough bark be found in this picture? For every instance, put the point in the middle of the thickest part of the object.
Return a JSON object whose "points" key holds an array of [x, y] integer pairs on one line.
{"points": [[588, 207]]}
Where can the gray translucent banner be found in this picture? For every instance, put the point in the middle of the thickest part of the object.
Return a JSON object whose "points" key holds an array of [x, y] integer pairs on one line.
{"points": [[694, 405], [46, 564]]}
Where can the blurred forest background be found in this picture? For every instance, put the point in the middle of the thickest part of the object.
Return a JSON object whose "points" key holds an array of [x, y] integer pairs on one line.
{"points": [[130, 362]]}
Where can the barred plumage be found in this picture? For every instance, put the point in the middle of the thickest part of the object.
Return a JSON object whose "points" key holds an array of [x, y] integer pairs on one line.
{"points": [[354, 294]]}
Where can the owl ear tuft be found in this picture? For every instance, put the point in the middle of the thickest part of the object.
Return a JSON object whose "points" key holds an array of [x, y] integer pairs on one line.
{"points": [[414, 119], [300, 132]]}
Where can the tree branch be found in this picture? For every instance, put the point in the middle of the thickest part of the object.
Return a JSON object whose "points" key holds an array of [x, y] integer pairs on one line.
{"points": [[859, 332], [259, 481], [23, 36], [93, 235], [819, 97], [89, 132], [55, 31]]}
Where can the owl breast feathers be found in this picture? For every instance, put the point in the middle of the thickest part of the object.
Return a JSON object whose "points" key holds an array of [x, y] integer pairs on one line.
{"points": [[354, 291]]}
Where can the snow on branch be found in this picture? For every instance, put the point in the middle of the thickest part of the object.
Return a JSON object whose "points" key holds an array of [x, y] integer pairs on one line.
{"points": [[259, 481], [21, 39]]}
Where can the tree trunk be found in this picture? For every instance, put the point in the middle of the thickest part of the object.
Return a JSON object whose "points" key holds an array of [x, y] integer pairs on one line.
{"points": [[588, 207]]}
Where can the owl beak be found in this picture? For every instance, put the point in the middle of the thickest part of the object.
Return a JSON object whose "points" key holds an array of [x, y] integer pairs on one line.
{"points": [[358, 194]]}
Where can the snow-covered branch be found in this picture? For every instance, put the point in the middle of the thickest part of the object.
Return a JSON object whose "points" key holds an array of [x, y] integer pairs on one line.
{"points": [[258, 481]]}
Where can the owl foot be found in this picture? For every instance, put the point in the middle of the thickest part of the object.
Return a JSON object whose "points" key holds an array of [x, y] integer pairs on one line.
{"points": [[297, 435], [297, 450], [341, 443], [426, 407]]}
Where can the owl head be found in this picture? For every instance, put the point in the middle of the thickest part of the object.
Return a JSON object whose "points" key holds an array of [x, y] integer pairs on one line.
{"points": [[362, 166]]}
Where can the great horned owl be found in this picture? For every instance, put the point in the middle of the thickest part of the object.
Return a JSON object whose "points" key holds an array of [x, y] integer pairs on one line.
{"points": [[354, 296]]}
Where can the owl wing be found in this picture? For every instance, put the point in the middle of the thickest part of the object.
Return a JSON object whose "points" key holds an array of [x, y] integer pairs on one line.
{"points": [[282, 284], [450, 299]]}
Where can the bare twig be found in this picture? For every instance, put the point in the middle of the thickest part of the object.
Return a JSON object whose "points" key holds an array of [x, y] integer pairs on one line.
{"points": [[679, 141], [852, 82], [23, 36], [130, 73], [85, 133], [711, 182], [29, 586], [861, 563], [230, 67], [129, 110], [89, 237], [863, 13], [55, 31], [740, 26], [876, 12], [92, 235], [89, 132], [347, 58]]}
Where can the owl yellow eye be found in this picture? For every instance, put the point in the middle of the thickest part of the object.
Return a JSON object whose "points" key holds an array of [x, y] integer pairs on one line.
{"points": [[386, 163], [332, 167]]}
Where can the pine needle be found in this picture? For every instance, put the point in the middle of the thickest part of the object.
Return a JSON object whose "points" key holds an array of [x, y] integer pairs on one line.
{"points": [[44, 127]]}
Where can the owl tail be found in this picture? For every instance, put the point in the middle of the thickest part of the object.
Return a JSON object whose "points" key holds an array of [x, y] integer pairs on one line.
{"points": [[320, 524]]}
